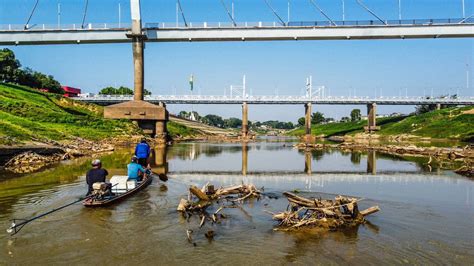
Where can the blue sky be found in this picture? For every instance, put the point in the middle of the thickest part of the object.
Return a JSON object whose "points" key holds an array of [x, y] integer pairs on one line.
{"points": [[366, 68]]}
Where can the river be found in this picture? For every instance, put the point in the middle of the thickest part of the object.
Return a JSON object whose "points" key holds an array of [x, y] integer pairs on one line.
{"points": [[426, 217]]}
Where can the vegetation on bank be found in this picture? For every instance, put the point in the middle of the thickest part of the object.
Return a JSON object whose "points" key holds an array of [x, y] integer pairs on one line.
{"points": [[176, 130], [448, 123], [28, 114]]}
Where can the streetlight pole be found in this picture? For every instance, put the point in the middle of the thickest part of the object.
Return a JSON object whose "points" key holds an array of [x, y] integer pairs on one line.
{"points": [[288, 21], [463, 9], [120, 15], [233, 16], [400, 9], [343, 11], [59, 15], [177, 14]]}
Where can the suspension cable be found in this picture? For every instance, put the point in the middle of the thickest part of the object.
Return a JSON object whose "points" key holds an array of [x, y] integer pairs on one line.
{"points": [[228, 13], [182, 13], [370, 11], [31, 15], [85, 12], [275, 13], [322, 12]]}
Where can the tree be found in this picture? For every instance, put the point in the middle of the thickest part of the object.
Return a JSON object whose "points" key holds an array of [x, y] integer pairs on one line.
{"points": [[9, 66], [232, 123], [301, 121], [317, 118], [355, 115], [213, 120], [345, 119], [183, 114]]}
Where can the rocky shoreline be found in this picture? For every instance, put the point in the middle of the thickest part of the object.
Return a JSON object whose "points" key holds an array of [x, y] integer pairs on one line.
{"points": [[40, 154]]}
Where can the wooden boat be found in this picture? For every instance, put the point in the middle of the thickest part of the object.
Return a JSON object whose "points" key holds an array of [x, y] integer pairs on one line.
{"points": [[116, 197]]}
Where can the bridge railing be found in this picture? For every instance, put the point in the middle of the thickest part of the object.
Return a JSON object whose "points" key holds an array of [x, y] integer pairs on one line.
{"points": [[404, 22], [276, 98], [170, 25], [41, 27]]}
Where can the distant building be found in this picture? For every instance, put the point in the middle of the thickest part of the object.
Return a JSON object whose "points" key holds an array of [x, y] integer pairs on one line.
{"points": [[71, 92]]}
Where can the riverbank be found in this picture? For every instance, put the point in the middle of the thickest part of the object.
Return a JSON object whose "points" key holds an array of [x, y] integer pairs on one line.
{"points": [[453, 123], [459, 159]]}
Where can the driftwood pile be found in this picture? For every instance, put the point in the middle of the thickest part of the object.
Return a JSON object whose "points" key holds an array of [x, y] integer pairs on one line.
{"points": [[327, 214], [199, 200]]}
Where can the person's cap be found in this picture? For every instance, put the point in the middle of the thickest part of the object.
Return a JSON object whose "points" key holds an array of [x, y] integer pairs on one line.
{"points": [[134, 158], [143, 140], [96, 162]]}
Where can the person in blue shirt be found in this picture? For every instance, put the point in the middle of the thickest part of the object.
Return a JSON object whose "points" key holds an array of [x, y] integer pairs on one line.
{"points": [[135, 170], [142, 151]]}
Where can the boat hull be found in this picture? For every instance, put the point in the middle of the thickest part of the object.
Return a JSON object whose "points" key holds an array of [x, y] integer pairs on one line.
{"points": [[115, 199]]}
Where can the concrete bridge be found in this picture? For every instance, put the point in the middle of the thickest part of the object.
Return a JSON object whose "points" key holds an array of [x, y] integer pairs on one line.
{"points": [[371, 103], [154, 117], [253, 31]]}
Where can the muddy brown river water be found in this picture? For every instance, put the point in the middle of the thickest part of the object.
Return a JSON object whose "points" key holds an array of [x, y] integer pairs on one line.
{"points": [[425, 218]]}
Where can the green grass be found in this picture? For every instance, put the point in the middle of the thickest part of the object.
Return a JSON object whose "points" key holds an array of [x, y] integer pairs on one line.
{"points": [[27, 114], [340, 129], [178, 130], [449, 123]]}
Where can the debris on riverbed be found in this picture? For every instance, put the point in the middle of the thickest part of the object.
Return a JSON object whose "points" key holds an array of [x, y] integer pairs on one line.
{"points": [[327, 214], [199, 200], [28, 162]]}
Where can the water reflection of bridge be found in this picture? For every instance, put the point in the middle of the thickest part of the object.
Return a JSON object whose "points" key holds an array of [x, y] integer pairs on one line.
{"points": [[192, 151]]}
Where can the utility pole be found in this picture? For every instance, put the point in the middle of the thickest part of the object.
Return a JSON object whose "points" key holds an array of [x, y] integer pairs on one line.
{"points": [[343, 10], [59, 15]]}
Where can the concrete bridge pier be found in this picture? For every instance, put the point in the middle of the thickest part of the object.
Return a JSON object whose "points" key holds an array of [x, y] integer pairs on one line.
{"points": [[371, 118], [307, 121], [151, 118], [245, 120]]}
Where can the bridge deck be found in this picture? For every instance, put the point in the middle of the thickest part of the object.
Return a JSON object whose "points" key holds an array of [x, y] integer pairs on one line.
{"points": [[161, 32], [196, 99]]}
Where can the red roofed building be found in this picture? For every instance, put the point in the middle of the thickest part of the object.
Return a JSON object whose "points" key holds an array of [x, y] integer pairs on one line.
{"points": [[70, 91]]}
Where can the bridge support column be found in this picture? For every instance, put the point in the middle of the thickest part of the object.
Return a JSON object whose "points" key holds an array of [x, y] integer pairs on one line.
{"points": [[245, 121], [138, 67], [307, 121], [151, 118], [371, 118], [438, 106]]}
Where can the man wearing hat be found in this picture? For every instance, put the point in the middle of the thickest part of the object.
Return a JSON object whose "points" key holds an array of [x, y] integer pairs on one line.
{"points": [[96, 174]]}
